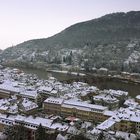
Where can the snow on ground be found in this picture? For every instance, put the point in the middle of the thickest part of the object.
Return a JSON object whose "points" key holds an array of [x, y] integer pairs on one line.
{"points": [[60, 137], [2, 136], [66, 72]]}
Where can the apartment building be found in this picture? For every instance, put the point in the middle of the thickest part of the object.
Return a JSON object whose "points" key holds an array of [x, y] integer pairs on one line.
{"points": [[74, 108], [53, 105], [124, 120], [30, 123]]}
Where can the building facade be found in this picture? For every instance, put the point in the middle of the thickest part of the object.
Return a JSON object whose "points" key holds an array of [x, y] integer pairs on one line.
{"points": [[77, 109]]}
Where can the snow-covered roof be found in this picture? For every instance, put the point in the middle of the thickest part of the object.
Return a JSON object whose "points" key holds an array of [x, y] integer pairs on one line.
{"points": [[128, 114], [106, 124], [125, 135], [7, 86], [138, 97], [38, 120], [84, 105], [29, 94], [131, 103], [20, 118], [13, 109], [4, 102], [116, 93], [54, 100], [46, 88], [109, 113], [4, 107], [59, 126], [77, 107], [106, 98], [117, 116], [28, 105], [95, 131], [54, 92]]}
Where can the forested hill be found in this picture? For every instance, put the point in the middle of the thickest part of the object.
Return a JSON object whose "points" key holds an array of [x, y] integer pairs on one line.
{"points": [[112, 41]]}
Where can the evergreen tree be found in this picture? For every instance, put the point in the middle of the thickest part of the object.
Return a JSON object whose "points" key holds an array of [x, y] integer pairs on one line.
{"points": [[79, 137], [16, 133], [9, 131], [21, 133], [40, 133]]}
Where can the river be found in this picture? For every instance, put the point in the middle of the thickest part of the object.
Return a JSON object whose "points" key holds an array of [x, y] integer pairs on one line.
{"points": [[102, 83]]}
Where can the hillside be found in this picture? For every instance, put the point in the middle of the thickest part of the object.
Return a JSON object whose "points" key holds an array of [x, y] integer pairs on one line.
{"points": [[112, 41]]}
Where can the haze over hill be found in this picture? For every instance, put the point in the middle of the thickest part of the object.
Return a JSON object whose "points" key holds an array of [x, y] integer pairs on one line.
{"points": [[112, 41]]}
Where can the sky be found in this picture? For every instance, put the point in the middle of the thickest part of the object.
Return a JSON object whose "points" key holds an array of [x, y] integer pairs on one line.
{"points": [[22, 20]]}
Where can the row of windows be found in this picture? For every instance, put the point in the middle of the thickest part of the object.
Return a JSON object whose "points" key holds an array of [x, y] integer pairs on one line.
{"points": [[66, 113], [6, 121], [83, 113], [21, 123], [48, 106], [138, 126], [56, 106], [85, 116], [26, 124]]}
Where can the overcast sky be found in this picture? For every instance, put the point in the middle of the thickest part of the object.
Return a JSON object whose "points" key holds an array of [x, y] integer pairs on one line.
{"points": [[21, 20]]}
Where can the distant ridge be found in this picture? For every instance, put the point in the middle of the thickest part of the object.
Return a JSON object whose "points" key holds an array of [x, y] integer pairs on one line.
{"points": [[103, 36]]}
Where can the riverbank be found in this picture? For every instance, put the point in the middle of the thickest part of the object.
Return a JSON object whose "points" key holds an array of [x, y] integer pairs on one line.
{"points": [[67, 72], [101, 81]]}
